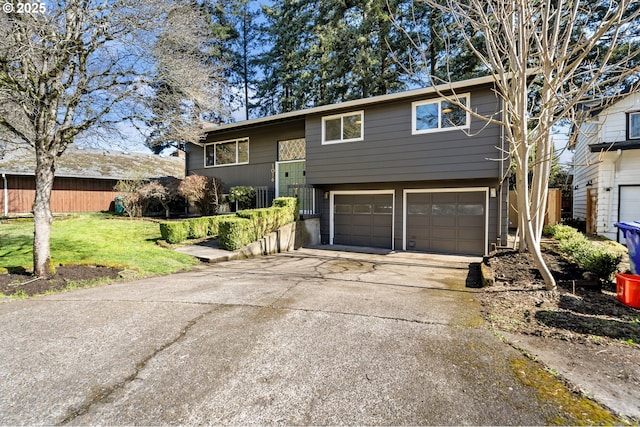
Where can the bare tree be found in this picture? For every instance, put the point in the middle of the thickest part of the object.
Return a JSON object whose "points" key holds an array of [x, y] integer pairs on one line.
{"points": [[77, 65], [547, 58]]}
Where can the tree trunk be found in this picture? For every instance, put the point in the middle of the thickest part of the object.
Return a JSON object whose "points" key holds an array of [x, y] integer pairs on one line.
{"points": [[42, 216]]}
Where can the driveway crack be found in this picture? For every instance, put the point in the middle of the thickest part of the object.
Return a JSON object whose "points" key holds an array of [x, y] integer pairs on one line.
{"points": [[102, 394]]}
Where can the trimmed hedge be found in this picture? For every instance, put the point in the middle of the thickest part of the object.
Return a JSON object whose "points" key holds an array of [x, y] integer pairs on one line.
{"points": [[192, 228], [175, 231], [235, 232], [291, 203]]}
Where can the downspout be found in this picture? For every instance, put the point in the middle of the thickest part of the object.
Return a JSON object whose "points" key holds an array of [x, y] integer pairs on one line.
{"points": [[501, 189], [6, 195], [612, 186]]}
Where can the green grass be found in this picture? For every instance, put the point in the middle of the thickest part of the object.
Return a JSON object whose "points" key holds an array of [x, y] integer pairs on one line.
{"points": [[94, 238]]}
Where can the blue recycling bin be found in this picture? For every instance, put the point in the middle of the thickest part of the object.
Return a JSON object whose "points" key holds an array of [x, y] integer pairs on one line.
{"points": [[631, 231]]}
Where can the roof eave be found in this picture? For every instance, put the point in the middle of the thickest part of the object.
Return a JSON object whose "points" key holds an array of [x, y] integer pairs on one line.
{"points": [[431, 90]]}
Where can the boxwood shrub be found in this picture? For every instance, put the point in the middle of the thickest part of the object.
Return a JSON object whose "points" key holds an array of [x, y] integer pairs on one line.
{"points": [[291, 203], [174, 231], [198, 227], [234, 232]]}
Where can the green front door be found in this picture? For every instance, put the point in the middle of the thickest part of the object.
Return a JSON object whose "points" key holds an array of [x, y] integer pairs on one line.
{"points": [[291, 175]]}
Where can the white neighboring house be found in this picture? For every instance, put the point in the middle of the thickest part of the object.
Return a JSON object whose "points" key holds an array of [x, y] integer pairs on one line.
{"points": [[606, 171]]}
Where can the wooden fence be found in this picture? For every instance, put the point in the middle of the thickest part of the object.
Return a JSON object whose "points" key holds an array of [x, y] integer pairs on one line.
{"points": [[554, 208], [67, 195]]}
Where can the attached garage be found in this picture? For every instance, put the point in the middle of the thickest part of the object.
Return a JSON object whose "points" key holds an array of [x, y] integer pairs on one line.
{"points": [[446, 220], [629, 209], [362, 219]]}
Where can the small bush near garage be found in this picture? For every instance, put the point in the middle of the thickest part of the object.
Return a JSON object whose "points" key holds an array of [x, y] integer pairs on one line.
{"points": [[258, 223], [235, 232], [601, 259]]}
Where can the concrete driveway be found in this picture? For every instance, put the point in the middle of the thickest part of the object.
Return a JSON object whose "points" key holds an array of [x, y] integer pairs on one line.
{"points": [[308, 337]]}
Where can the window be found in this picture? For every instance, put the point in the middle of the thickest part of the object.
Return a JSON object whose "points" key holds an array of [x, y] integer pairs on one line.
{"points": [[291, 149], [226, 153], [436, 115], [634, 125], [343, 128]]}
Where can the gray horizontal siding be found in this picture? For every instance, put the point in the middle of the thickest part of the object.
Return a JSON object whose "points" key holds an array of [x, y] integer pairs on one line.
{"points": [[390, 152], [263, 146]]}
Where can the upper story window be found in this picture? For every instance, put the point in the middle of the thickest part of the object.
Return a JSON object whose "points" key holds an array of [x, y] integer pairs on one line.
{"points": [[436, 115], [346, 127], [224, 153], [634, 125]]}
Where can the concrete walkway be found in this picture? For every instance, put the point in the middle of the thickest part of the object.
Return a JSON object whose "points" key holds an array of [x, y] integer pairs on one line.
{"points": [[307, 337]]}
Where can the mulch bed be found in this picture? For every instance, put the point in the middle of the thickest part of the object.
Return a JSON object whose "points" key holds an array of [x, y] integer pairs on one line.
{"points": [[22, 282], [579, 310]]}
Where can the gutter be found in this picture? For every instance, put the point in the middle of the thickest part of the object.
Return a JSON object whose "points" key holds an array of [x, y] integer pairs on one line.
{"points": [[6, 195]]}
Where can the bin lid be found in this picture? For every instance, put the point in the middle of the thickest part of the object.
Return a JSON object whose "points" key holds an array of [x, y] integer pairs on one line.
{"points": [[628, 225]]}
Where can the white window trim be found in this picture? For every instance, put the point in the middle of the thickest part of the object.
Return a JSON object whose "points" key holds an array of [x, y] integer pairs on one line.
{"points": [[340, 141], [484, 190], [236, 140], [632, 113], [414, 131], [332, 195]]}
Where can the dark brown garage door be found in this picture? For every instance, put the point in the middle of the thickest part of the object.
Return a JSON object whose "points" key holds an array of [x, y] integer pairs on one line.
{"points": [[449, 222], [363, 220]]}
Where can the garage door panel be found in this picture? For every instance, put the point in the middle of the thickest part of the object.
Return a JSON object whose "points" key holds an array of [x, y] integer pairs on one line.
{"points": [[363, 219], [451, 222], [444, 221]]}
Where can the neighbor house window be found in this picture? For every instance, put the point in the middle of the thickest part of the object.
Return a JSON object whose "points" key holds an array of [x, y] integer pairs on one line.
{"points": [[343, 128], [234, 152], [634, 125], [440, 114]]}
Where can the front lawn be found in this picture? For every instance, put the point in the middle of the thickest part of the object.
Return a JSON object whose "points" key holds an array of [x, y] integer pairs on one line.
{"points": [[94, 238]]}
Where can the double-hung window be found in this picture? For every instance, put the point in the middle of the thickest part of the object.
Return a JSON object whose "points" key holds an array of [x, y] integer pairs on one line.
{"points": [[440, 114], [633, 125], [346, 127], [225, 153]]}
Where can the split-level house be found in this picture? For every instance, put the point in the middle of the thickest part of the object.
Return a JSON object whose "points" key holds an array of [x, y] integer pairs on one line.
{"points": [[411, 171], [606, 171]]}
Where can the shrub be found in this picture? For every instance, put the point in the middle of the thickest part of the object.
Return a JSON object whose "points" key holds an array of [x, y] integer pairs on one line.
{"points": [[549, 230], [561, 232], [245, 196], [175, 231], [204, 192], [577, 247], [198, 227], [214, 224], [235, 232], [601, 262], [265, 220], [600, 259], [291, 203]]}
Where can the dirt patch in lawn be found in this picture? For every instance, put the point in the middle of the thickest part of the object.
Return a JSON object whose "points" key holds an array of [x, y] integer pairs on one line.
{"points": [[23, 283]]}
